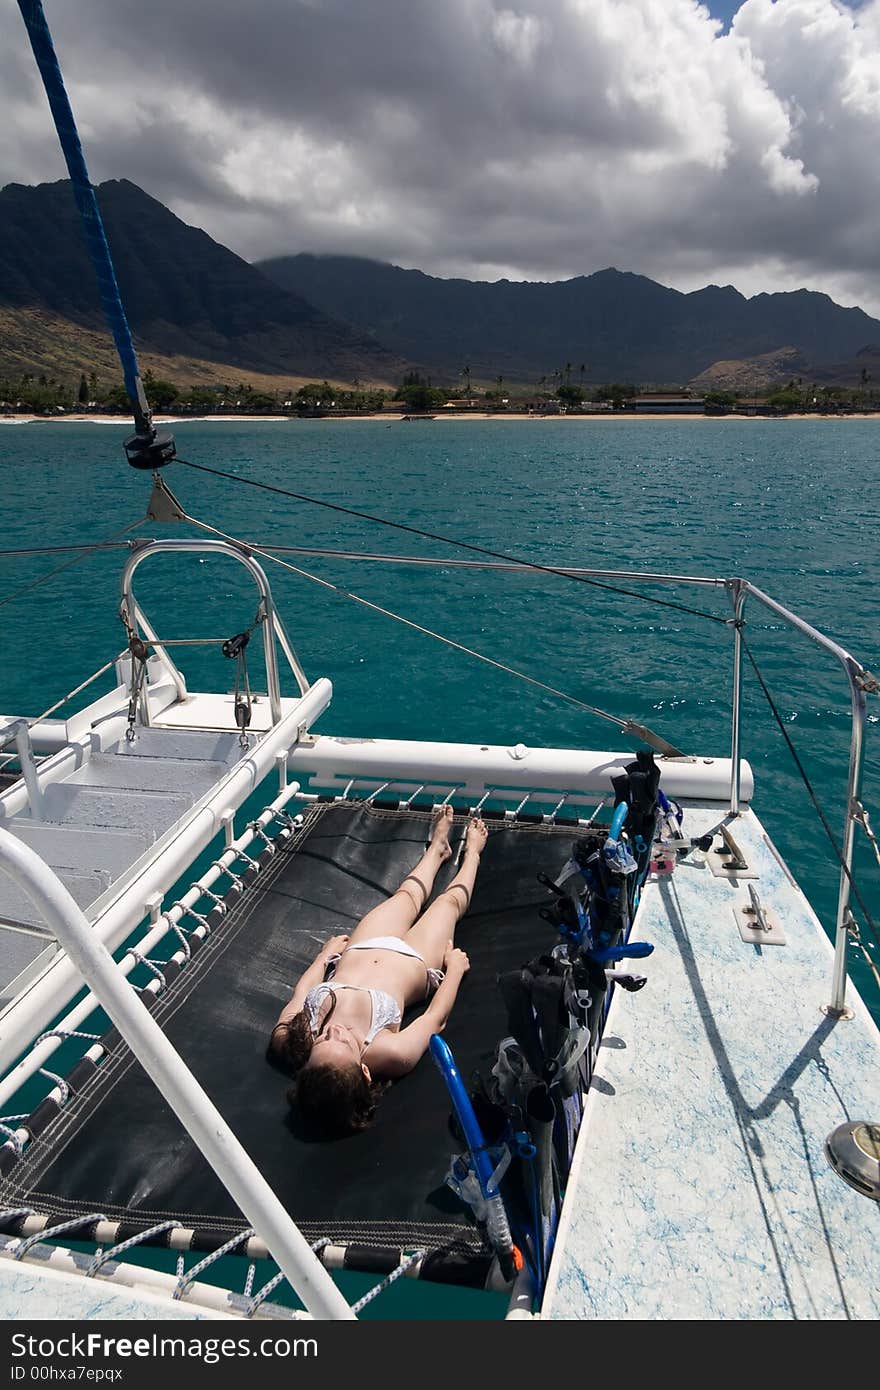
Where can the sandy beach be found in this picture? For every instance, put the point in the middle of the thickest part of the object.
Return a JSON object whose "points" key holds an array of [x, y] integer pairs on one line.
{"points": [[389, 418]]}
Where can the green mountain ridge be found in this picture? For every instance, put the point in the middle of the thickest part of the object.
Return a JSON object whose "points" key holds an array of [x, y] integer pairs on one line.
{"points": [[184, 294], [619, 325], [204, 313]]}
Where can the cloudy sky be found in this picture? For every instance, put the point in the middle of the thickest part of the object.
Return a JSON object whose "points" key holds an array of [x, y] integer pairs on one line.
{"points": [[536, 139]]}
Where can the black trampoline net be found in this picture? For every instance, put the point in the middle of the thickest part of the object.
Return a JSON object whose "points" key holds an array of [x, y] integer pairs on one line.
{"points": [[117, 1148]]}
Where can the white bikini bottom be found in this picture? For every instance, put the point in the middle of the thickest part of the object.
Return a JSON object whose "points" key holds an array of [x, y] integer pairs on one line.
{"points": [[395, 943]]}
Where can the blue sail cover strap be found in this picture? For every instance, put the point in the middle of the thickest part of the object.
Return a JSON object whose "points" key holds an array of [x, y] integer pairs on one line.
{"points": [[87, 203]]}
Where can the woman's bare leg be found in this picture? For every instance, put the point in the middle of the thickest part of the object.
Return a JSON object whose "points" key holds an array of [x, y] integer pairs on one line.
{"points": [[395, 916], [435, 929]]}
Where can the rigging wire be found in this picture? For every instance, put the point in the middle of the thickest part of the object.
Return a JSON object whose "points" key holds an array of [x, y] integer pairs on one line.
{"points": [[57, 549], [417, 627], [7, 734], [451, 540], [82, 555], [376, 557], [812, 795]]}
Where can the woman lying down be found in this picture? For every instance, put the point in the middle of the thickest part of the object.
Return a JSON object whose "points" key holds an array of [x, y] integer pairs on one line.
{"points": [[340, 1034]]}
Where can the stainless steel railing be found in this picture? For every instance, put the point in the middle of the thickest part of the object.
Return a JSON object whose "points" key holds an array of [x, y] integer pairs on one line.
{"points": [[141, 551], [860, 682]]}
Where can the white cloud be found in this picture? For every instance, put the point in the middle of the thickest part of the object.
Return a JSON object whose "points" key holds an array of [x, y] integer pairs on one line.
{"points": [[518, 35], [536, 138]]}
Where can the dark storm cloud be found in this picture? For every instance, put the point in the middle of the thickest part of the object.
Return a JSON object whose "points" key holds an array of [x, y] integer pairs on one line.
{"points": [[543, 139]]}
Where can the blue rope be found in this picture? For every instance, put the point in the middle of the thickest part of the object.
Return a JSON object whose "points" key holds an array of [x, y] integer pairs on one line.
{"points": [[87, 203]]}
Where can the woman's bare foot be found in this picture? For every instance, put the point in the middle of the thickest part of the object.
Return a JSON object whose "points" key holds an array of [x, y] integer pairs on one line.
{"points": [[476, 837], [440, 834]]}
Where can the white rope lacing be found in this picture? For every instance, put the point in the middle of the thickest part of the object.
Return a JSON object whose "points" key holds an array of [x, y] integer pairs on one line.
{"points": [[185, 1279], [237, 881], [150, 965], [251, 863], [389, 1279], [14, 1213], [181, 934], [272, 1284], [197, 916], [59, 1082], [259, 833], [24, 1246], [12, 1137], [103, 1257], [65, 1033], [220, 903]]}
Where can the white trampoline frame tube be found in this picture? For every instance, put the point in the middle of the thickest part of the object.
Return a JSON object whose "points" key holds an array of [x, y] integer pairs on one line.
{"points": [[42, 1051], [144, 1281], [175, 1082], [472, 768], [60, 982]]}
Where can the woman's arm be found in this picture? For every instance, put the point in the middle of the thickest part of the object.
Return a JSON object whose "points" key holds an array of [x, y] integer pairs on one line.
{"points": [[394, 1054], [312, 976]]}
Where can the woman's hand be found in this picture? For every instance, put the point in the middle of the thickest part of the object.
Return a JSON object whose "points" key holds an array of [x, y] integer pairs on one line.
{"points": [[334, 947], [455, 961]]}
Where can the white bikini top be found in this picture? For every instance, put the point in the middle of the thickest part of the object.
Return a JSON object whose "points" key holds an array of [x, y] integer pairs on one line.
{"points": [[385, 1011]]}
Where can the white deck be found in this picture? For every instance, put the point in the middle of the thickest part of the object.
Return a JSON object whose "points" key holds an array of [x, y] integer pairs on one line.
{"points": [[30, 1294], [207, 711], [700, 1188]]}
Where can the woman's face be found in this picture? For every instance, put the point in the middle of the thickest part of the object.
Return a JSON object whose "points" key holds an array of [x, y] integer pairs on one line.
{"points": [[337, 1046]]}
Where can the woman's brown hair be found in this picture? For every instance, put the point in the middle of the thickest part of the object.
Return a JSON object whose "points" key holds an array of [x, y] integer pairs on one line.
{"points": [[337, 1100], [290, 1045]]}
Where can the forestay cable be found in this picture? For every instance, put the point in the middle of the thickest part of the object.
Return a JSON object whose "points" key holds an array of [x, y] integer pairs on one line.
{"points": [[148, 447], [629, 726], [462, 545], [84, 193], [83, 554]]}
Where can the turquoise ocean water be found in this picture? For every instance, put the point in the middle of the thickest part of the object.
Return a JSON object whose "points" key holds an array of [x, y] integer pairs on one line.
{"points": [[792, 505]]}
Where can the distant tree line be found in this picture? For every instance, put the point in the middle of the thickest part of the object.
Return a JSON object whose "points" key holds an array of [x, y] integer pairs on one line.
{"points": [[562, 390], [39, 394]]}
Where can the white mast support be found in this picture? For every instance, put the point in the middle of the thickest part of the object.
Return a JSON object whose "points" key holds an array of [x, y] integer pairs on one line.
{"points": [[177, 677], [175, 1082], [273, 628], [54, 989]]}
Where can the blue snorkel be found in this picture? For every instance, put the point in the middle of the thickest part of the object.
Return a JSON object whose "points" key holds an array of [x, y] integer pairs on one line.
{"points": [[484, 1167]]}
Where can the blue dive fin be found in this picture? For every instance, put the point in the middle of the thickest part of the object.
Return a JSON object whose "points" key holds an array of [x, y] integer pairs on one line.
{"points": [[635, 950]]}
